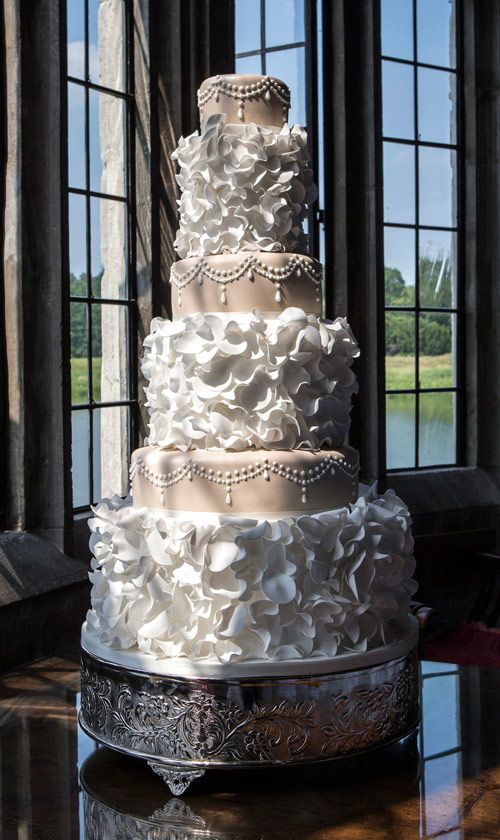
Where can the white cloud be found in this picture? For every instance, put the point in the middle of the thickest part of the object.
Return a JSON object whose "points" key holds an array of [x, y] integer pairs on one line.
{"points": [[76, 60]]}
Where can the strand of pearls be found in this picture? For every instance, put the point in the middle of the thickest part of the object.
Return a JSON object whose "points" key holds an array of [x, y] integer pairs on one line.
{"points": [[249, 266], [303, 478], [219, 87]]}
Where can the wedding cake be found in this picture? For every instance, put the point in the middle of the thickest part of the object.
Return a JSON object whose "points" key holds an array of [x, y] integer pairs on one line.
{"points": [[248, 543]]}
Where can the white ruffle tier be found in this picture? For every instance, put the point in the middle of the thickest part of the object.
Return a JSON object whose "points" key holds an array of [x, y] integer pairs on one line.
{"points": [[229, 589], [225, 381], [244, 188]]}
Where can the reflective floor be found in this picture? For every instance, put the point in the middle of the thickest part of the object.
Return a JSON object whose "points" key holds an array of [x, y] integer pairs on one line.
{"points": [[443, 783]]}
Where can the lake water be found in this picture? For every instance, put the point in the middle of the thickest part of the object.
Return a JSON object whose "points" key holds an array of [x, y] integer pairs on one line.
{"points": [[80, 449], [436, 430], [437, 436]]}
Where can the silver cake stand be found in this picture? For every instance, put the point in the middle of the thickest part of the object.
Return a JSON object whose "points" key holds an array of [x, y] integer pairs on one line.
{"points": [[185, 725]]}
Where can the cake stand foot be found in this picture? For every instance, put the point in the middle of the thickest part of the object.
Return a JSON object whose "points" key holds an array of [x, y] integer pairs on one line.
{"points": [[177, 778]]}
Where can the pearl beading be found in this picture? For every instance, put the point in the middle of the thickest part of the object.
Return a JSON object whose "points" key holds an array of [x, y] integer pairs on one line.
{"points": [[242, 93], [248, 267], [302, 478]]}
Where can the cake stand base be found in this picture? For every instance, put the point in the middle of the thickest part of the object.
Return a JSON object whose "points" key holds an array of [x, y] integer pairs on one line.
{"points": [[183, 726]]}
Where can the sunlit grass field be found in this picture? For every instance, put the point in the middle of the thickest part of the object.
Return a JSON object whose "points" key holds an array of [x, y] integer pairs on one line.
{"points": [[435, 372], [79, 380]]}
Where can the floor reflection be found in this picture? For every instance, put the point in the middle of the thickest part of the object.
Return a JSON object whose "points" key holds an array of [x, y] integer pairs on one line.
{"points": [[445, 783]]}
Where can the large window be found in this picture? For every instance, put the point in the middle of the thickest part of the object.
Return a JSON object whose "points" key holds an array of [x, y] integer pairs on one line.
{"points": [[101, 248], [422, 232]]}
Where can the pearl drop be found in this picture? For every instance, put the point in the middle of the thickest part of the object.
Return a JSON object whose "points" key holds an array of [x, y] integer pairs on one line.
{"points": [[223, 298], [250, 273], [240, 113], [267, 95], [229, 500], [278, 296]]}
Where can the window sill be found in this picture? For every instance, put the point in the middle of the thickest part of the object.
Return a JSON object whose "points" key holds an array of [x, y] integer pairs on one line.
{"points": [[43, 599], [450, 499]]}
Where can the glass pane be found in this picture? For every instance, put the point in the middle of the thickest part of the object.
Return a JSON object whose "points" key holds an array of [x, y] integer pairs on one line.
{"points": [[247, 26], [76, 38], [79, 349], [109, 248], [289, 66], [107, 43], [400, 430], [110, 352], [437, 105], [77, 245], [437, 334], [443, 794], [437, 268], [111, 451], [437, 429], [397, 28], [107, 130], [76, 136], [284, 22], [436, 668], [436, 32], [437, 168], [80, 455], [399, 350], [399, 270], [250, 64], [397, 99], [441, 718], [399, 183]]}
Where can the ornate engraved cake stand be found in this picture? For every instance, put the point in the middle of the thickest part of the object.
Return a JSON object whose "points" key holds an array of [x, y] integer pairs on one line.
{"points": [[184, 725]]}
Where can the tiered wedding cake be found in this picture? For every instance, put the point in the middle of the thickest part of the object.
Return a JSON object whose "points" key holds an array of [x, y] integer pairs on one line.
{"points": [[248, 546]]}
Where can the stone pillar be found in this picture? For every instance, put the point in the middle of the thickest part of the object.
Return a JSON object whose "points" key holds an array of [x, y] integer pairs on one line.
{"points": [[114, 249]]}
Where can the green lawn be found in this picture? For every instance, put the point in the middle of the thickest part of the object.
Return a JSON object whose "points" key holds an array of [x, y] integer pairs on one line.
{"points": [[79, 392], [435, 371]]}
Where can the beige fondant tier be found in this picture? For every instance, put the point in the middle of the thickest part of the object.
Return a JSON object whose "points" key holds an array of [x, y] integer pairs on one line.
{"points": [[268, 281], [244, 482], [263, 100]]}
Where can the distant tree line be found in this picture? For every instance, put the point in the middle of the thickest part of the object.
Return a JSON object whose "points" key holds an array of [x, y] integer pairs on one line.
{"points": [[435, 282], [79, 328]]}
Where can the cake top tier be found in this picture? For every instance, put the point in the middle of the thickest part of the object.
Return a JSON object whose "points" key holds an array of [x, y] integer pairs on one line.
{"points": [[245, 99]]}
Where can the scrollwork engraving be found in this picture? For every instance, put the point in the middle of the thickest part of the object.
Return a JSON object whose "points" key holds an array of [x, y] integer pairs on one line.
{"points": [[185, 722]]}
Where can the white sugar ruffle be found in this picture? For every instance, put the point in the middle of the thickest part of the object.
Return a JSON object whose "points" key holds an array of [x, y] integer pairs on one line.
{"points": [[218, 381], [244, 188], [241, 589]]}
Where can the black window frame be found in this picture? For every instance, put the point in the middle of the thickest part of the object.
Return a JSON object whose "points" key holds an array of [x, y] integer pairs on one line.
{"points": [[129, 201], [458, 311]]}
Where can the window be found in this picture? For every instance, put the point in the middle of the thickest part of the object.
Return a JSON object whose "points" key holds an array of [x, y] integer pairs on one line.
{"points": [[280, 38], [422, 232], [101, 266]]}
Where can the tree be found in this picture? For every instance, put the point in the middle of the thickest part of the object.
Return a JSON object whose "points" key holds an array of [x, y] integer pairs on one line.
{"points": [[79, 328], [435, 278]]}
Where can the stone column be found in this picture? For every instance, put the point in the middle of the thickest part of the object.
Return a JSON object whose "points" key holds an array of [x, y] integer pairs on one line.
{"points": [[114, 249]]}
